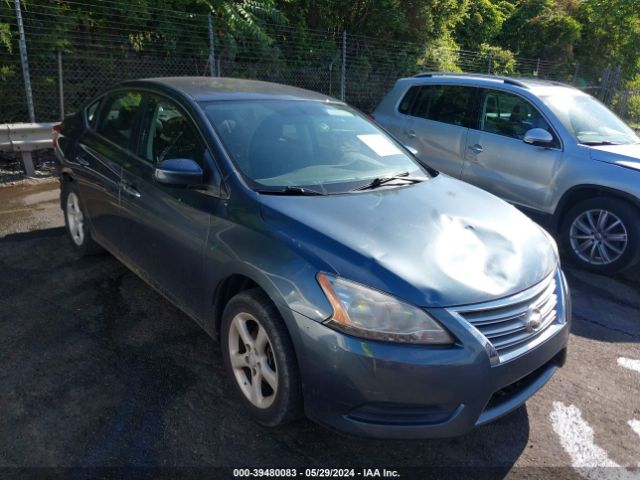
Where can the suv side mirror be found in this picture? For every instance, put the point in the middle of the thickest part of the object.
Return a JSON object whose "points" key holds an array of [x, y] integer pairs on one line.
{"points": [[179, 172], [539, 137]]}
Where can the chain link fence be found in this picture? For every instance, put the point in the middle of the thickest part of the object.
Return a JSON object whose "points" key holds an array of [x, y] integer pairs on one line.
{"points": [[70, 64]]}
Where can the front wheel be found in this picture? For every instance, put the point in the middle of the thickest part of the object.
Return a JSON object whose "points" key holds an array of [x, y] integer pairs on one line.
{"points": [[260, 360], [602, 235]]}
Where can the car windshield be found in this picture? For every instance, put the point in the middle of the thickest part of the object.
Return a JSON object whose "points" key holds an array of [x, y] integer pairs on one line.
{"points": [[282, 145], [590, 122]]}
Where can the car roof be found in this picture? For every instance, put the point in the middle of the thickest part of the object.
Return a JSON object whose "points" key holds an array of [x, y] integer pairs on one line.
{"points": [[221, 88], [537, 86]]}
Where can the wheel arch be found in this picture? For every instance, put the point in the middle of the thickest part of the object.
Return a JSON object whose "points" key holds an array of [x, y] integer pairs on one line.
{"points": [[583, 192]]}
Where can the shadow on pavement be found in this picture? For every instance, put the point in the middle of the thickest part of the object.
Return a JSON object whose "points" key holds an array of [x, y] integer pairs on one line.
{"points": [[99, 370]]}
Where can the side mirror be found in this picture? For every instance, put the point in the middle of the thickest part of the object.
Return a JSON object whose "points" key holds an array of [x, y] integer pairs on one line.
{"points": [[538, 137], [413, 151], [179, 172]]}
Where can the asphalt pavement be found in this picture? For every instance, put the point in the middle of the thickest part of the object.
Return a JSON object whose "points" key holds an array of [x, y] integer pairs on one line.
{"points": [[98, 370]]}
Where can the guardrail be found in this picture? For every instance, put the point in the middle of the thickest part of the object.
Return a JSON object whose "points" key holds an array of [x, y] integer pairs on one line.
{"points": [[26, 138]]}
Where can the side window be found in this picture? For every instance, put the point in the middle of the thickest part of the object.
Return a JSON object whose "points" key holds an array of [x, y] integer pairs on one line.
{"points": [[91, 111], [509, 115], [168, 134], [450, 104], [118, 117], [407, 101]]}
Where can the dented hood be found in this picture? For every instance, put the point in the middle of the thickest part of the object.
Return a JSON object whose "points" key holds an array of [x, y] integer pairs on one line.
{"points": [[437, 243]]}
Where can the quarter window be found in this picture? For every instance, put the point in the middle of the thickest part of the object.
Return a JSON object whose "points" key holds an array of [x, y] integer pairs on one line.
{"points": [[91, 112], [169, 134], [118, 117], [509, 115]]}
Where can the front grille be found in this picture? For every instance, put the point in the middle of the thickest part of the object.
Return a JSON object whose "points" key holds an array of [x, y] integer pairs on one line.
{"points": [[514, 324]]}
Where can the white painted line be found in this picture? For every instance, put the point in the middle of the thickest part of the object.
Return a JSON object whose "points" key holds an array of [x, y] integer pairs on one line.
{"points": [[576, 437], [635, 426], [629, 363]]}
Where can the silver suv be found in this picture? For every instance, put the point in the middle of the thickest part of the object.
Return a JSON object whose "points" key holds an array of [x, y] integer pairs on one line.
{"points": [[548, 148]]}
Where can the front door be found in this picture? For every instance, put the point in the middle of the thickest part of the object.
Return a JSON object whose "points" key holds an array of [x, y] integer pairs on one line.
{"points": [[498, 160], [165, 228]]}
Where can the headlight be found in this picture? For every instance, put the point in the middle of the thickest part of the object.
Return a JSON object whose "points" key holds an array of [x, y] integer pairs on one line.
{"points": [[367, 313]]}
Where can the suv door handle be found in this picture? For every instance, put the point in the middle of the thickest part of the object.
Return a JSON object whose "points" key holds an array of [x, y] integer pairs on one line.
{"points": [[129, 189], [477, 148], [410, 133]]}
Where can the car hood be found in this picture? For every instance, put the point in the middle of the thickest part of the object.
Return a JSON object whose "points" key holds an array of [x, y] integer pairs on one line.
{"points": [[622, 155], [437, 243]]}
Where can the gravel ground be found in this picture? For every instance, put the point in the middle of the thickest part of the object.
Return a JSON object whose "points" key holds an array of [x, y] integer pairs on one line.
{"points": [[98, 370]]}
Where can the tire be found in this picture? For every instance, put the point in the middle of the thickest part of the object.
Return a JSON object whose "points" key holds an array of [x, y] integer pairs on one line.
{"points": [[280, 394], [602, 235], [75, 221]]}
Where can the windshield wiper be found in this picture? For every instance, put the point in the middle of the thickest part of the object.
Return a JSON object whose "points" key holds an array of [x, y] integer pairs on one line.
{"points": [[292, 191], [379, 181]]}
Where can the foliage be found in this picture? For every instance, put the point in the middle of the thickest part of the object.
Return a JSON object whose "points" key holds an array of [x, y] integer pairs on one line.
{"points": [[542, 29], [502, 61], [442, 54], [611, 35], [482, 23]]}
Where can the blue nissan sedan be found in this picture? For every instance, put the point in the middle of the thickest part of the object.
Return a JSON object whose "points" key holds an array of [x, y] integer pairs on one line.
{"points": [[344, 279]]}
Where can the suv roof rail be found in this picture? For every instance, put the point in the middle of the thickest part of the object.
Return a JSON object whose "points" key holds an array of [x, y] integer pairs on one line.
{"points": [[507, 80]]}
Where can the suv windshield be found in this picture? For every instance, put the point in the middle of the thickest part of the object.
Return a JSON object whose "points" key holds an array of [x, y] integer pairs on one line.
{"points": [[590, 122], [281, 145]]}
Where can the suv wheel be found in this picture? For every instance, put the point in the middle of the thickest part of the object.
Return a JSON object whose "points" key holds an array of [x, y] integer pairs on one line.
{"points": [[75, 221], [260, 360], [602, 234]]}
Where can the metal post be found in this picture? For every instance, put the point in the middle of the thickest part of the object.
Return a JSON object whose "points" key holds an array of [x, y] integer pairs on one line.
{"points": [[575, 73], [489, 64], [25, 63], [60, 85], [537, 68], [343, 75], [212, 48]]}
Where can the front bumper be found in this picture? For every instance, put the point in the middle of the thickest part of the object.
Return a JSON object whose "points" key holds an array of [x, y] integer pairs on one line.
{"points": [[386, 390]]}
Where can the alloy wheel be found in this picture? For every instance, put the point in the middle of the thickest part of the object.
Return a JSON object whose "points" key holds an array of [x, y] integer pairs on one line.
{"points": [[598, 237], [75, 219], [252, 360]]}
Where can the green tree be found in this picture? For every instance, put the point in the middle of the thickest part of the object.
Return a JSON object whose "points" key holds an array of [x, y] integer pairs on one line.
{"points": [[482, 22], [542, 29], [611, 36], [502, 61]]}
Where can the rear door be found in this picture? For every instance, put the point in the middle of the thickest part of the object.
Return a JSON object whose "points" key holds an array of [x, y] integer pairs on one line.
{"points": [[101, 152], [498, 160], [164, 227], [440, 118]]}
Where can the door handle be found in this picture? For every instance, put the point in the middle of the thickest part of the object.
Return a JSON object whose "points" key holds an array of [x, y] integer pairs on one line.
{"points": [[82, 161], [410, 133], [477, 148], [130, 189]]}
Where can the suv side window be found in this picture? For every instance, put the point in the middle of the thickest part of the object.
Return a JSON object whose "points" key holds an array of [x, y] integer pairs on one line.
{"points": [[509, 115], [168, 133], [442, 103], [117, 118]]}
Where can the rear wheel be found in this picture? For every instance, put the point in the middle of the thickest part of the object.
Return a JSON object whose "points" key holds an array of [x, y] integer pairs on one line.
{"points": [[260, 360], [75, 221], [602, 234]]}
